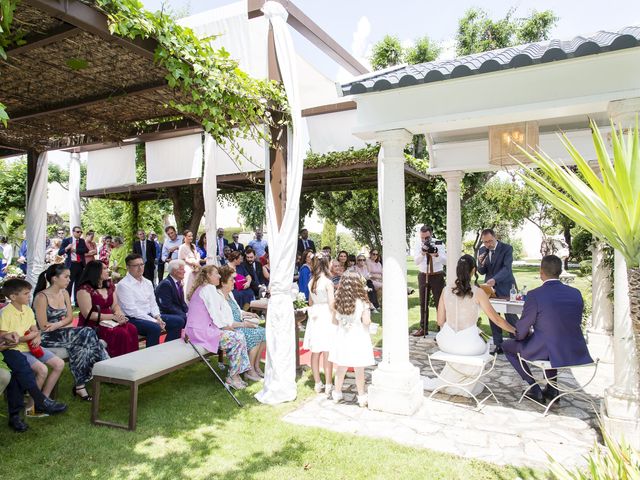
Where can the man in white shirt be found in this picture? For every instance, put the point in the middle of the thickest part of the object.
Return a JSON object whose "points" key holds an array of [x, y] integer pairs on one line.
{"points": [[430, 257], [171, 245], [138, 302]]}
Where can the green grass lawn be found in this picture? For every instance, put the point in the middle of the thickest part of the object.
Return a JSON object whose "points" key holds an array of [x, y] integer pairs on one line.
{"points": [[188, 427]]}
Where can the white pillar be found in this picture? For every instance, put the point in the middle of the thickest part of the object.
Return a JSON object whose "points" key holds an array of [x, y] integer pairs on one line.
{"points": [[454, 222], [74, 190], [600, 331], [396, 386], [621, 407]]}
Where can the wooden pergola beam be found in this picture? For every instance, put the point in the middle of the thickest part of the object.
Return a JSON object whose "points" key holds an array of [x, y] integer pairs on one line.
{"points": [[312, 32], [89, 19], [37, 41], [84, 102]]}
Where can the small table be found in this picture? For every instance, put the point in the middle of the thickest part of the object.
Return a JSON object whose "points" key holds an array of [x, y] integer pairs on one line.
{"points": [[260, 306], [503, 305]]}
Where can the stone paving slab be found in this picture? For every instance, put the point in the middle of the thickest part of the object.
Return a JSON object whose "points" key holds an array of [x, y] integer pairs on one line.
{"points": [[509, 433]]}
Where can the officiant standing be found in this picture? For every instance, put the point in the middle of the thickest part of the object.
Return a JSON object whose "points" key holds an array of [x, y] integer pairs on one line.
{"points": [[495, 261]]}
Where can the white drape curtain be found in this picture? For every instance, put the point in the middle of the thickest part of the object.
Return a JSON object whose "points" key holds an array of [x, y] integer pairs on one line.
{"points": [[280, 374], [37, 220], [74, 190], [111, 167], [174, 158], [210, 194]]}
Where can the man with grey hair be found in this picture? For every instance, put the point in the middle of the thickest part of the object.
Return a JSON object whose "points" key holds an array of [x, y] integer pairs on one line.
{"points": [[170, 293]]}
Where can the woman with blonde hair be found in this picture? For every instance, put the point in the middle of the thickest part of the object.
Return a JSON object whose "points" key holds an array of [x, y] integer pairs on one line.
{"points": [[320, 331], [205, 326], [352, 345]]}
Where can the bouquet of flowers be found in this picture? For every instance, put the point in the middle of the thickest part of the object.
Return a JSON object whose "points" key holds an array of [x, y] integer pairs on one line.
{"points": [[300, 301]]}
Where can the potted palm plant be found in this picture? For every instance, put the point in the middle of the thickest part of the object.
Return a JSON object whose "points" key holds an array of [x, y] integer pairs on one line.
{"points": [[608, 207]]}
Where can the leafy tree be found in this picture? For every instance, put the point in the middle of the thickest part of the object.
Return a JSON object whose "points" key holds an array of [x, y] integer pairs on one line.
{"points": [[328, 236], [423, 50], [479, 33], [251, 207], [387, 53]]}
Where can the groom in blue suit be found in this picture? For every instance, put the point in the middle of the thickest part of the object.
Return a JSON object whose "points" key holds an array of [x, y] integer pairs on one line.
{"points": [[171, 297], [495, 261], [549, 328]]}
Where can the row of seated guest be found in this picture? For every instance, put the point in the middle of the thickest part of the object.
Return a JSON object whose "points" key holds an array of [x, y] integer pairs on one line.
{"points": [[214, 320]]}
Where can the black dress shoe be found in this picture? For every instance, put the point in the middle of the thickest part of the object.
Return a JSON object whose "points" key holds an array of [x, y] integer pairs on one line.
{"points": [[550, 392], [536, 395], [51, 407], [17, 424]]}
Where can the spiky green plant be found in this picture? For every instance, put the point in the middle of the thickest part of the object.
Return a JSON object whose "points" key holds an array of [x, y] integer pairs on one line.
{"points": [[608, 207]]}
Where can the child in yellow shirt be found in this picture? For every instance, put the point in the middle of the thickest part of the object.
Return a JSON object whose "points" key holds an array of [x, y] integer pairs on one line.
{"points": [[18, 317]]}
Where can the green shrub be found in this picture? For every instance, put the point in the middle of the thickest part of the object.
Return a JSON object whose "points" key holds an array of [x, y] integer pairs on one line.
{"points": [[585, 267], [615, 461], [581, 244]]}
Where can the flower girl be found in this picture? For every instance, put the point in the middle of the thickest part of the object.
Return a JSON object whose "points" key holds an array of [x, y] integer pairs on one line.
{"points": [[320, 333], [352, 346]]}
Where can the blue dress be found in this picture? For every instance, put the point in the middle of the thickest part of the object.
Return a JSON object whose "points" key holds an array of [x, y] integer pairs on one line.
{"points": [[253, 336], [304, 277]]}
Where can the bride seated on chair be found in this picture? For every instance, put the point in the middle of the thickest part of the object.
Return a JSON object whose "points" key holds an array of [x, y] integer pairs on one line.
{"points": [[458, 312]]}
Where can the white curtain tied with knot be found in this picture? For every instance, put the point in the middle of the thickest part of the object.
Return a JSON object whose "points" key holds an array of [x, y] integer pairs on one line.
{"points": [[280, 374]]}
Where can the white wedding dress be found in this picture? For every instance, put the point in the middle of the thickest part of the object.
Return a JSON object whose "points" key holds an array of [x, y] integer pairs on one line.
{"points": [[460, 335]]}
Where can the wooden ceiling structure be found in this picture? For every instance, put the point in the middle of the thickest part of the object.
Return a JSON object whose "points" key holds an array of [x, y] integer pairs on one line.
{"points": [[73, 85]]}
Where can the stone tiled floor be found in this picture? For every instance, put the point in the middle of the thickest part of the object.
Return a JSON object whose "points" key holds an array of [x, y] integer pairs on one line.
{"points": [[509, 433]]}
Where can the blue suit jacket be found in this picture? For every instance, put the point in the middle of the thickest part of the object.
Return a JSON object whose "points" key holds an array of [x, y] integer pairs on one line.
{"points": [[81, 249], [500, 268], [554, 310], [168, 299]]}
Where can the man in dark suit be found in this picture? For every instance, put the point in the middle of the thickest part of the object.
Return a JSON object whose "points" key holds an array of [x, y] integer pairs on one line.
{"points": [[235, 244], [304, 242], [549, 328], [170, 293], [495, 261], [251, 266], [74, 248], [147, 250]]}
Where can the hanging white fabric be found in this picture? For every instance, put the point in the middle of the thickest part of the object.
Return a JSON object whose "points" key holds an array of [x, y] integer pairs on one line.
{"points": [[111, 167], [37, 220], [74, 190], [210, 194], [280, 375], [176, 158]]}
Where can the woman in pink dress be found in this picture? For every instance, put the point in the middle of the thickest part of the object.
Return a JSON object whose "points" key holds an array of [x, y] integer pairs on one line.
{"points": [[92, 252], [374, 266], [99, 309]]}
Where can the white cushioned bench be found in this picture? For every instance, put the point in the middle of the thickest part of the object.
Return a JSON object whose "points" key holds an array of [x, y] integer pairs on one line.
{"points": [[136, 368]]}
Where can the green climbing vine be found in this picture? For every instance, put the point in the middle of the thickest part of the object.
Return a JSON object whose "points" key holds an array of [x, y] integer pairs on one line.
{"points": [[353, 156], [225, 100], [7, 37]]}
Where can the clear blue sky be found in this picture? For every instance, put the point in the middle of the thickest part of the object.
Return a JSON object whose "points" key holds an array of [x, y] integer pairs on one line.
{"points": [[370, 20]]}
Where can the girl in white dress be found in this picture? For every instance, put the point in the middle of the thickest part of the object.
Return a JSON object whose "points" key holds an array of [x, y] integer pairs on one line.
{"points": [[458, 312], [352, 346], [187, 253], [320, 332]]}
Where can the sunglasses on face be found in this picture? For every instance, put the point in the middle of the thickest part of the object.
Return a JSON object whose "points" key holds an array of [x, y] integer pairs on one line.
{"points": [[77, 231]]}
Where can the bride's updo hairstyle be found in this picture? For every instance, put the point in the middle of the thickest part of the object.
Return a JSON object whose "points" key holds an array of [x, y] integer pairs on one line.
{"points": [[465, 266]]}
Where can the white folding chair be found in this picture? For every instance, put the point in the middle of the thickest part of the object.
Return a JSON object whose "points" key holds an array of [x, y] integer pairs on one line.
{"points": [[563, 388], [484, 362]]}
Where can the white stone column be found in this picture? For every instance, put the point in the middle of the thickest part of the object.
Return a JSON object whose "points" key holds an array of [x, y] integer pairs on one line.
{"points": [[74, 190], [600, 331], [454, 222], [621, 408], [396, 386]]}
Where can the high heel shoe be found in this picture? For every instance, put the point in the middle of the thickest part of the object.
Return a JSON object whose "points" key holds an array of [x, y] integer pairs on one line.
{"points": [[76, 393]]}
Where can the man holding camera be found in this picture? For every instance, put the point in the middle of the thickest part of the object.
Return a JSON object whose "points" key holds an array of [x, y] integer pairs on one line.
{"points": [[430, 257]]}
